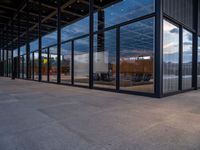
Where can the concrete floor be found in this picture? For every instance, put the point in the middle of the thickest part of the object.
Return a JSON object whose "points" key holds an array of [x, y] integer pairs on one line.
{"points": [[40, 116]]}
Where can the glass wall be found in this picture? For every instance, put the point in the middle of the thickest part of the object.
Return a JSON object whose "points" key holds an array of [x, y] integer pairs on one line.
{"points": [[187, 60], [66, 62], [53, 64], [44, 64], [198, 65], [105, 59], [36, 65], [136, 46], [170, 57], [137, 56], [81, 62]]}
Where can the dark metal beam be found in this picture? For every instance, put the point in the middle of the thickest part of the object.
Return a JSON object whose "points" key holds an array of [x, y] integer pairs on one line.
{"points": [[12, 58], [195, 46], [18, 45], [58, 39], [27, 42], [72, 65], [158, 78], [91, 42], [39, 43], [118, 59], [3, 53], [50, 15]]}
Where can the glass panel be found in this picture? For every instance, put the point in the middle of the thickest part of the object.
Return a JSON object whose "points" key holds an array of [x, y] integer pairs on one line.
{"points": [[36, 69], [23, 50], [49, 39], [15, 53], [53, 64], [9, 67], [81, 61], [124, 10], [66, 61], [76, 29], [137, 56], [34, 45], [170, 57], [44, 64], [198, 69], [105, 60], [187, 60], [9, 64], [21, 66]]}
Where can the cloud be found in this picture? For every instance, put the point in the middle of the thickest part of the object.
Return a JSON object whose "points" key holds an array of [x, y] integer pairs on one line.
{"points": [[174, 30]]}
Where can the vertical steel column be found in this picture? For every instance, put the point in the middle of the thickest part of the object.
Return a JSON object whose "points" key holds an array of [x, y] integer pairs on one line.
{"points": [[12, 59], [58, 39], [180, 56], [40, 43], [118, 59], [18, 44], [23, 67], [33, 65], [195, 46], [27, 42], [7, 61], [48, 64], [3, 53], [0, 48], [7, 38], [91, 42], [159, 49], [72, 65]]}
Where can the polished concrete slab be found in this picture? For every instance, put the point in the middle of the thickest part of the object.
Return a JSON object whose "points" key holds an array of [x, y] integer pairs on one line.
{"points": [[40, 116]]}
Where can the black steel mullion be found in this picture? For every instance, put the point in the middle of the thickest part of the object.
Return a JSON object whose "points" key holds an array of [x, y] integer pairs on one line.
{"points": [[118, 59], [33, 66], [0, 49], [158, 77], [3, 53], [39, 43], [195, 47], [12, 59], [7, 62], [18, 44], [27, 42], [7, 53], [48, 64], [91, 41], [72, 63], [58, 39], [23, 67], [180, 56]]}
